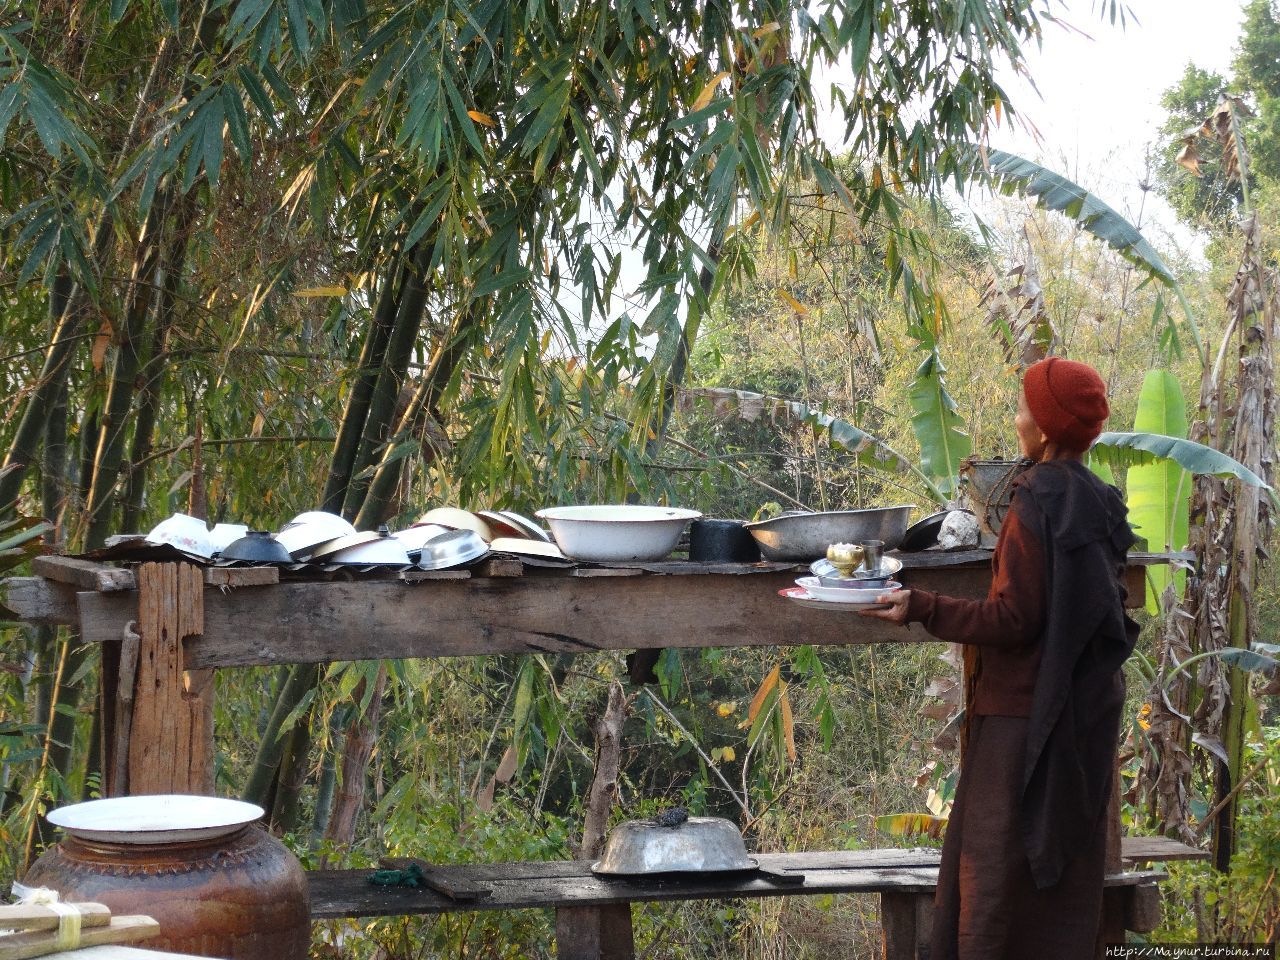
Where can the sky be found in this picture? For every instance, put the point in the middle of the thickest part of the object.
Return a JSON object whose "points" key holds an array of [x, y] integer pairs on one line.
{"points": [[1093, 111], [1096, 99]]}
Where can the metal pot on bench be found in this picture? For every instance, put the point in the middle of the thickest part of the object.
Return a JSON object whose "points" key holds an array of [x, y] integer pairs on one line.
{"points": [[675, 844]]}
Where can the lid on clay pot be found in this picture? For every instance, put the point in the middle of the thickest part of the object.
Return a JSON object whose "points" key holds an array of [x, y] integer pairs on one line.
{"points": [[158, 818]]}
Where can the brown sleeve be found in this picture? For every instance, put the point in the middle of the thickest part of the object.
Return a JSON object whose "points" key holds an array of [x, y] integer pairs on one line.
{"points": [[1013, 613]]}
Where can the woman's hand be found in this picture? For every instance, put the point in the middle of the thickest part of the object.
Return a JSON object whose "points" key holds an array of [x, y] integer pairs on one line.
{"points": [[896, 612]]}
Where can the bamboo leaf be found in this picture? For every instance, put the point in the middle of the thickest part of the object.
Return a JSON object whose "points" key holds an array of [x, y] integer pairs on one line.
{"points": [[708, 91], [482, 118], [1159, 493], [306, 292], [793, 303], [766, 686]]}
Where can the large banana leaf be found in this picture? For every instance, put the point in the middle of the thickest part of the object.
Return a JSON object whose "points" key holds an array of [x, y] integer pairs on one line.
{"points": [[1055, 192], [1123, 450], [937, 426], [1159, 493]]}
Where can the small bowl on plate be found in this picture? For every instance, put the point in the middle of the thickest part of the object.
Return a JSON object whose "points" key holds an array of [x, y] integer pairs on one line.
{"points": [[816, 590]]}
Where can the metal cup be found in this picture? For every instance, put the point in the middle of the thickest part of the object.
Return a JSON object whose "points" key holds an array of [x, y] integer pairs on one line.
{"points": [[872, 554]]}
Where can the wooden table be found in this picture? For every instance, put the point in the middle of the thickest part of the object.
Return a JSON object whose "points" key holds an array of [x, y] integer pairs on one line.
{"points": [[165, 627], [904, 879]]}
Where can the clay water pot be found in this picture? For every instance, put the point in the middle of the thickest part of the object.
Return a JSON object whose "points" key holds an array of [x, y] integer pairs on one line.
{"points": [[239, 895]]}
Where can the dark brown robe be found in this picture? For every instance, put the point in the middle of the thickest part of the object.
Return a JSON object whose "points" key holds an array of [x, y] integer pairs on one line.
{"points": [[1024, 854]]}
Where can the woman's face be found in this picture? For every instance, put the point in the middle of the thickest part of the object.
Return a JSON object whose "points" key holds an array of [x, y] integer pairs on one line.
{"points": [[1030, 439]]}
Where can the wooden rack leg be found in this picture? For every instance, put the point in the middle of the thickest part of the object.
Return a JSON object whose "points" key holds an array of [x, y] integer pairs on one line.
{"points": [[906, 921], [595, 933], [1113, 898], [171, 735]]}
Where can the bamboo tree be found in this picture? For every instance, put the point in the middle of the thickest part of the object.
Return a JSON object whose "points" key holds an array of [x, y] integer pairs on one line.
{"points": [[391, 376], [356, 412]]}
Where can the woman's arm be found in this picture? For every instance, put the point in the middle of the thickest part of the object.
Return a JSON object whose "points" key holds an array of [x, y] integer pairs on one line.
{"points": [[1013, 613]]}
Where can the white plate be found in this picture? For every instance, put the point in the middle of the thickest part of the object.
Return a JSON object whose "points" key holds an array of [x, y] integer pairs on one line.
{"points": [[159, 818], [815, 589], [458, 519], [805, 599], [505, 523], [524, 547]]}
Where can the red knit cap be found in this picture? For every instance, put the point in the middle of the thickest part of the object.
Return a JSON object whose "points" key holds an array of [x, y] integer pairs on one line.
{"points": [[1067, 400]]}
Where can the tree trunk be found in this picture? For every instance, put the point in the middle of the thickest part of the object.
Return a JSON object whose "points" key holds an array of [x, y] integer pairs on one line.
{"points": [[302, 679], [372, 357], [448, 354], [382, 403], [153, 370], [124, 378], [361, 736], [603, 792]]}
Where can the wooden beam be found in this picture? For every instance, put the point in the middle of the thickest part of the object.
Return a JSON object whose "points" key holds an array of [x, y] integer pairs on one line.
{"points": [[84, 574], [40, 601], [320, 622]]}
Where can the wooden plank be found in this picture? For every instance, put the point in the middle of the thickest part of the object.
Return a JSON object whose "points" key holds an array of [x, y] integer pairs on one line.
{"points": [[501, 566], [241, 576], [37, 916], [171, 738], [1158, 849], [518, 886], [40, 601], [84, 574], [1142, 908], [595, 933], [130, 929], [319, 622]]}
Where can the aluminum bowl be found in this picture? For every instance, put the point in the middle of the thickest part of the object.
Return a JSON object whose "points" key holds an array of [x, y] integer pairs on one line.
{"points": [[829, 576], [803, 536], [453, 548], [698, 845], [256, 546]]}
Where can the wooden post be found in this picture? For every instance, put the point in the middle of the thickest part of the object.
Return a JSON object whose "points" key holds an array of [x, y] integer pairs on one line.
{"points": [[898, 935], [170, 738], [595, 933], [1113, 898]]}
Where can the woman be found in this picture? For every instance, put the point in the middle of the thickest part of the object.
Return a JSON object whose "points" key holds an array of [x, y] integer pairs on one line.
{"points": [[1023, 859]]}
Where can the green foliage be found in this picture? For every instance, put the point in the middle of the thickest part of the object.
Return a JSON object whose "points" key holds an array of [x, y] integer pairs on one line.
{"points": [[1207, 200], [1243, 904], [1159, 494], [937, 425], [1055, 192]]}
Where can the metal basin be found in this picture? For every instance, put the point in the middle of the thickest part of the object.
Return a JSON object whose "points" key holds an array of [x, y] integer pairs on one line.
{"points": [[698, 845], [804, 536]]}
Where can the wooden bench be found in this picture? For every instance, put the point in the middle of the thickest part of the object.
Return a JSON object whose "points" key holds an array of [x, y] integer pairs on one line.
{"points": [[593, 914]]}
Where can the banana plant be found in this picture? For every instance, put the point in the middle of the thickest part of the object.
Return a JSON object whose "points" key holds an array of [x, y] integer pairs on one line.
{"points": [[1015, 174], [1159, 493], [1120, 450]]}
